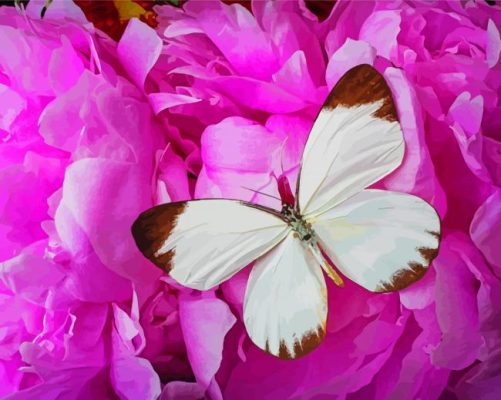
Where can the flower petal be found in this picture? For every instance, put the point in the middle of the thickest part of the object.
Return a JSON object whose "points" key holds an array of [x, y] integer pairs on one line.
{"points": [[138, 50], [134, 378], [205, 323]]}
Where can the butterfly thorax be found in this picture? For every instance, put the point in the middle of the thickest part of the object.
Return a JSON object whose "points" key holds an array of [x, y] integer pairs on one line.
{"points": [[302, 229]]}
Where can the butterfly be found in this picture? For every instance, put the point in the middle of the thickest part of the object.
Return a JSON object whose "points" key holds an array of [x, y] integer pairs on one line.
{"points": [[381, 240]]}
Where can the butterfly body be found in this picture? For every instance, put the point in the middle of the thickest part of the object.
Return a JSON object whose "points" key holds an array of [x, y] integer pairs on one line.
{"points": [[298, 224], [381, 240]]}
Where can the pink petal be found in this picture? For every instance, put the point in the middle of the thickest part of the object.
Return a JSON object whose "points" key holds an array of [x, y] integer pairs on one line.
{"points": [[88, 279], [134, 378], [492, 158], [295, 78], [182, 27], [467, 112], [11, 105], [421, 294], [381, 30], [65, 67], [259, 95], [493, 47], [172, 173], [163, 101], [58, 10], [456, 289], [350, 54], [138, 50], [61, 122], [485, 230], [182, 391], [416, 174], [106, 218], [483, 381], [237, 35], [290, 34], [205, 323], [30, 274], [236, 143]]}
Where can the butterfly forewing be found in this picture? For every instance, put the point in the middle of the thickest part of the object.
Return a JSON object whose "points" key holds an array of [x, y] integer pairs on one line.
{"points": [[355, 141], [202, 243], [381, 240], [285, 306]]}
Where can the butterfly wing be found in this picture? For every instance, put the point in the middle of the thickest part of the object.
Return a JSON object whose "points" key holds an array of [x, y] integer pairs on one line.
{"points": [[285, 307], [355, 141], [202, 243], [381, 240]]}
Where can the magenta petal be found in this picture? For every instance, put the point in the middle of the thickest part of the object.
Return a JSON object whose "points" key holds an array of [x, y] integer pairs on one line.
{"points": [[173, 176], [237, 35], [259, 95], [15, 58], [467, 112], [205, 323], [381, 30], [88, 279], [163, 101], [416, 174], [234, 162], [483, 381], [129, 337], [62, 120], [492, 158], [485, 230], [465, 116], [182, 27], [30, 274], [236, 143], [420, 294], [138, 50], [106, 218], [182, 391], [134, 378], [62, 78], [457, 315], [295, 78], [11, 105], [350, 54], [58, 10], [493, 44]]}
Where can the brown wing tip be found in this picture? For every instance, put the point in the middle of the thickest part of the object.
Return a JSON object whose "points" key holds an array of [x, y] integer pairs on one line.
{"points": [[415, 271], [402, 278], [152, 228], [308, 342], [363, 85]]}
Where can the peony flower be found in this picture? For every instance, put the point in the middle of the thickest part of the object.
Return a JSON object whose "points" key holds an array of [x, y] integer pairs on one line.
{"points": [[76, 169], [215, 102], [263, 76]]}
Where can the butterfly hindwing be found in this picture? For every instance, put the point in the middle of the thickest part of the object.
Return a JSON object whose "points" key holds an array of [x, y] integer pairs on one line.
{"points": [[355, 141], [285, 306], [201, 243], [381, 240]]}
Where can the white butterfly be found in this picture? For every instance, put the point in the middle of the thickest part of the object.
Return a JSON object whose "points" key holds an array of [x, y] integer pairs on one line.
{"points": [[381, 240]]}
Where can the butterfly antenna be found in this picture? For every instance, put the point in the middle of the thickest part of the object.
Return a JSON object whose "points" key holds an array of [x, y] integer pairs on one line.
{"points": [[264, 194]]}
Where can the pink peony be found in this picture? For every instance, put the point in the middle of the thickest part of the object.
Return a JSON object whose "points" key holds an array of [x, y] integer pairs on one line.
{"points": [[218, 100]]}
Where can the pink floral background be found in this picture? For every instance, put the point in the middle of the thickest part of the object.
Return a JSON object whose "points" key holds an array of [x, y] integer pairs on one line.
{"points": [[93, 131]]}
